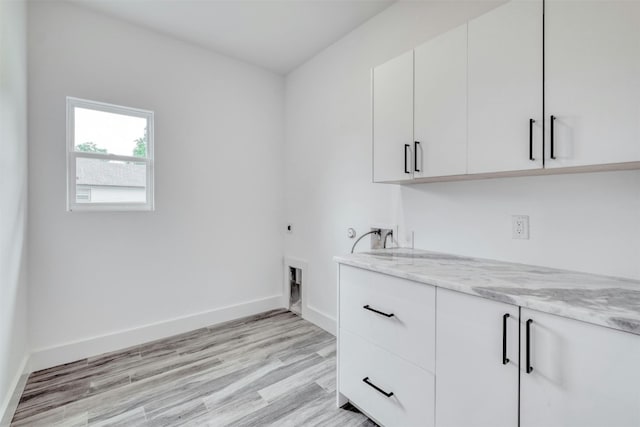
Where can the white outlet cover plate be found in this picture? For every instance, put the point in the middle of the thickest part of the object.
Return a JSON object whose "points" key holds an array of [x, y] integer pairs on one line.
{"points": [[520, 227]]}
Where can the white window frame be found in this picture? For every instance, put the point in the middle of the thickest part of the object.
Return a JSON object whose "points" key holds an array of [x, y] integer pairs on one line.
{"points": [[88, 194], [72, 155]]}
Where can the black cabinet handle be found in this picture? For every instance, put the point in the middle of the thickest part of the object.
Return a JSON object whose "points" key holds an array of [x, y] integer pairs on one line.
{"points": [[367, 307], [505, 359], [415, 155], [406, 170], [370, 384], [551, 132], [531, 122], [529, 367]]}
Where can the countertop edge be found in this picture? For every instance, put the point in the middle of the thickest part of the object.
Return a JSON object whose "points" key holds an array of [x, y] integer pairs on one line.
{"points": [[628, 326]]}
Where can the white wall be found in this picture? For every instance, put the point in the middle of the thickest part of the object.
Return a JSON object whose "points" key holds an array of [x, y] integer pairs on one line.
{"points": [[584, 222], [13, 196], [215, 238], [581, 222]]}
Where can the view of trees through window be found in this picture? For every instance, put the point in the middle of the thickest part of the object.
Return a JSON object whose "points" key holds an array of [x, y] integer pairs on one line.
{"points": [[90, 147], [139, 149]]}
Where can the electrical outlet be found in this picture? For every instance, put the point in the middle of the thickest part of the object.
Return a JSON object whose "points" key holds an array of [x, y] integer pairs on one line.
{"points": [[520, 227], [382, 240]]}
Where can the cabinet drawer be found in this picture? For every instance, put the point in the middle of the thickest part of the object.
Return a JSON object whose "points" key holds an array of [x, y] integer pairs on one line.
{"points": [[409, 333], [412, 402]]}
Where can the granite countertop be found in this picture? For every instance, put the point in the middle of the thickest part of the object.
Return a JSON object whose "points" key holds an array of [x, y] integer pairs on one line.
{"points": [[601, 300]]}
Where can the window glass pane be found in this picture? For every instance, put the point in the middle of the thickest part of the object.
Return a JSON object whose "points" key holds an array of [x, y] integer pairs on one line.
{"points": [[109, 181], [102, 132]]}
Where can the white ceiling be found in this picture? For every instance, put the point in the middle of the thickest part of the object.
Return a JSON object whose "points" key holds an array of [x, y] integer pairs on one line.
{"points": [[275, 34]]}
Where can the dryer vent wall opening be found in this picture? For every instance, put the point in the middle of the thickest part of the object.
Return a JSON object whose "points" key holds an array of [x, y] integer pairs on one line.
{"points": [[295, 290]]}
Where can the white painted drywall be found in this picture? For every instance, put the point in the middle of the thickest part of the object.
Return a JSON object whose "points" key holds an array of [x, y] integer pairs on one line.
{"points": [[584, 222], [13, 196], [581, 222], [215, 238]]}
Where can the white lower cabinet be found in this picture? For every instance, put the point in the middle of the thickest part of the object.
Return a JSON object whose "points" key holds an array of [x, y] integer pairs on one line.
{"points": [[389, 389], [450, 359], [386, 347], [477, 361], [580, 375], [395, 314]]}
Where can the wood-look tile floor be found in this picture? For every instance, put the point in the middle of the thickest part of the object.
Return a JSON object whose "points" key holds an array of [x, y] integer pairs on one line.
{"points": [[271, 369]]}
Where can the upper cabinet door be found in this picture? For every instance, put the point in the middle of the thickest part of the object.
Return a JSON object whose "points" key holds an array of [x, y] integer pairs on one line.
{"points": [[393, 120], [440, 121], [592, 82], [574, 374], [505, 88]]}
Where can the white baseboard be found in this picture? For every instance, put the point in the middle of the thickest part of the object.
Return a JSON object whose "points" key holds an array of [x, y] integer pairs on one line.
{"points": [[10, 404], [320, 318], [70, 352]]}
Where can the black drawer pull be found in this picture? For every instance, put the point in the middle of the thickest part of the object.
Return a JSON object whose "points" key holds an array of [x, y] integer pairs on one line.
{"points": [[529, 367], [370, 384], [531, 122], [406, 146], [552, 137], [505, 359], [366, 307], [415, 156]]}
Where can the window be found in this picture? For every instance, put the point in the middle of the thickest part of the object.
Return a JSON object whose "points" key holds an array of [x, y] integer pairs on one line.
{"points": [[109, 157]]}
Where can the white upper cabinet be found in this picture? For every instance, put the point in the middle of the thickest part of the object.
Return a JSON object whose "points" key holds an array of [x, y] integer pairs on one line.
{"points": [[393, 119], [577, 375], [440, 121], [592, 82], [505, 89], [471, 100]]}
